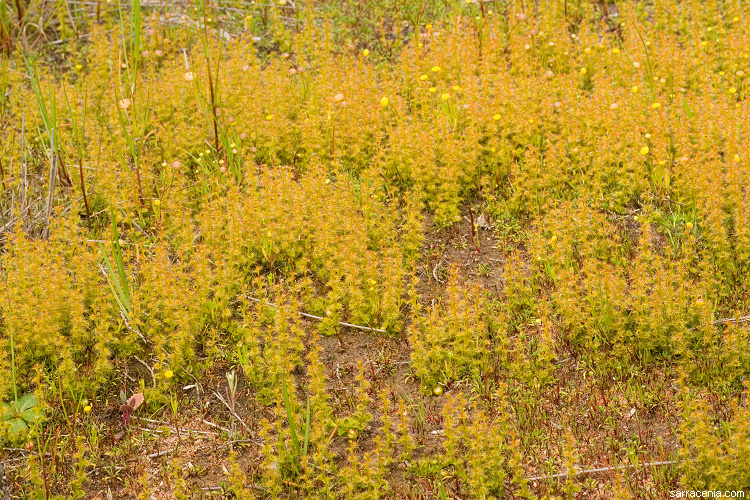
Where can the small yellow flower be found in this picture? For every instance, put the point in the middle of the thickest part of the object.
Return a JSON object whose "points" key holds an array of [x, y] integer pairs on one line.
{"points": [[432, 89], [168, 374], [365, 52], [384, 101], [699, 302], [644, 150], [436, 69], [87, 409], [531, 120], [157, 203], [423, 77], [456, 88], [351, 433], [732, 90], [269, 117], [79, 67], [583, 71], [437, 390], [655, 105], [704, 43], [689, 226], [735, 19], [615, 50], [634, 89], [496, 117], [445, 97], [736, 158], [429, 26]]}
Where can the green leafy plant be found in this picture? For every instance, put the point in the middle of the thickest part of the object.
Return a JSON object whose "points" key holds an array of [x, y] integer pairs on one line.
{"points": [[21, 415]]}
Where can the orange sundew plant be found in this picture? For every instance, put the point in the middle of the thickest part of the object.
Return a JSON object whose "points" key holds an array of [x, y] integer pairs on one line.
{"points": [[325, 161]]}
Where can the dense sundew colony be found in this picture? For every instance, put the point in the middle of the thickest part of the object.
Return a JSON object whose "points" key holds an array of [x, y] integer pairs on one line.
{"points": [[417, 249]]}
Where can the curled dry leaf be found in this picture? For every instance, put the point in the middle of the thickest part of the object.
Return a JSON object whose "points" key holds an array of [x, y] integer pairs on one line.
{"points": [[132, 404], [124, 103]]}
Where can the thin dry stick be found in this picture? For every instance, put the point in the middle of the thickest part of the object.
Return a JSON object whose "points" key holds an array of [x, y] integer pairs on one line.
{"points": [[25, 174], [732, 320], [311, 316], [234, 414], [211, 424], [153, 377], [473, 231], [4, 488], [565, 475], [160, 453], [2, 176], [83, 188]]}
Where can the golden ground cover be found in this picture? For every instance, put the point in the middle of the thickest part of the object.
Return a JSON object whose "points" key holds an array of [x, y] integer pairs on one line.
{"points": [[518, 232]]}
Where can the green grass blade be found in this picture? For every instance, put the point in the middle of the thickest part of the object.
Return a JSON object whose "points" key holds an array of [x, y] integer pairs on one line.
{"points": [[292, 430], [114, 284], [307, 428]]}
